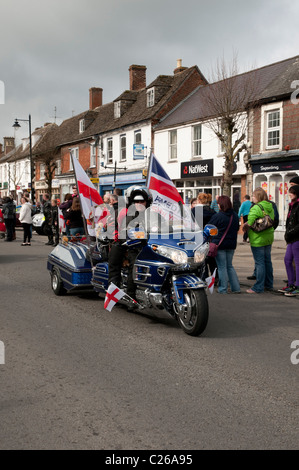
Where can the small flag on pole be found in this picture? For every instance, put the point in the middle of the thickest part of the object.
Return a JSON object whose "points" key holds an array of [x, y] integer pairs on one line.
{"points": [[113, 295], [211, 281]]}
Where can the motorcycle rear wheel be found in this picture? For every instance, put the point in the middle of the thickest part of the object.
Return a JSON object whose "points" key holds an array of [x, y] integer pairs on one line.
{"points": [[195, 317]]}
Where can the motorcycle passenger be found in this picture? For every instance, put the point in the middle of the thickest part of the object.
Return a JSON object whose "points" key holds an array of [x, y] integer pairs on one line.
{"points": [[139, 199]]}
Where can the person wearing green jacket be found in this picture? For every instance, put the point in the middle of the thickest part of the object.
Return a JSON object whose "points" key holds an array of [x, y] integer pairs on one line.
{"points": [[261, 242]]}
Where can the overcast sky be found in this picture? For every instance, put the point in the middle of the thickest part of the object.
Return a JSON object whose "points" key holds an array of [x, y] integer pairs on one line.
{"points": [[52, 52]]}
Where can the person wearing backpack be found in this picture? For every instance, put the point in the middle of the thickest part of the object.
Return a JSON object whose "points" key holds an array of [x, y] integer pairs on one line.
{"points": [[261, 242], [9, 215]]}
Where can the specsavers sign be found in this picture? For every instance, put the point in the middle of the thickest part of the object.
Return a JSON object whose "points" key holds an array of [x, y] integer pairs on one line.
{"points": [[197, 169]]}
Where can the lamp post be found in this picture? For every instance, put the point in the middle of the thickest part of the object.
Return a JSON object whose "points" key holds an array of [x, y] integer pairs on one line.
{"points": [[17, 126]]}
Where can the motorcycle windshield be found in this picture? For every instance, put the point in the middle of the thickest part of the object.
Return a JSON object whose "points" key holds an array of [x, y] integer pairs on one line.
{"points": [[181, 225]]}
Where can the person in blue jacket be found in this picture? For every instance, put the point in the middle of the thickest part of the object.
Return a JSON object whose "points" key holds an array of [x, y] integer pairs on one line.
{"points": [[243, 212], [226, 249]]}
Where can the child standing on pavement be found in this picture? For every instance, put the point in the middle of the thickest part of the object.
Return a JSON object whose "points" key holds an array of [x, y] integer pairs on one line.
{"points": [[292, 238]]}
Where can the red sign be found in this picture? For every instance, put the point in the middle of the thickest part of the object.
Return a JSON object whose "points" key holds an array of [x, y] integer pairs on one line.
{"points": [[18, 187]]}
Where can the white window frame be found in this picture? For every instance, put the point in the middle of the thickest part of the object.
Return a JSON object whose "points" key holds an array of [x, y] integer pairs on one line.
{"points": [[117, 106], [58, 168], [110, 150], [150, 97], [137, 133], [81, 126], [123, 148], [265, 111], [42, 169], [93, 156], [76, 152], [196, 142], [173, 145]]}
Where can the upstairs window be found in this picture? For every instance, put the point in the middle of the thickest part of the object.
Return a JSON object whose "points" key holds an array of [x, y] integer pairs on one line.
{"points": [[81, 126], [137, 137], [58, 168], [92, 156], [75, 154], [123, 148], [173, 145], [109, 150], [42, 169], [117, 109], [273, 129], [196, 141], [150, 94]]}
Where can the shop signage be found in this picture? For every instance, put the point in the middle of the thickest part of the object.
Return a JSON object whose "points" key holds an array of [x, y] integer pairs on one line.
{"points": [[197, 169], [270, 167], [95, 180]]}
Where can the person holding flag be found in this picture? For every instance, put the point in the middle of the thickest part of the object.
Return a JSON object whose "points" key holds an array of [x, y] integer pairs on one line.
{"points": [[90, 199]]}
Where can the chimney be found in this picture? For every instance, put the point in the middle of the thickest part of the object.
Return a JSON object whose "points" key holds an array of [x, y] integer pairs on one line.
{"points": [[137, 77], [9, 144], [95, 97], [179, 67]]}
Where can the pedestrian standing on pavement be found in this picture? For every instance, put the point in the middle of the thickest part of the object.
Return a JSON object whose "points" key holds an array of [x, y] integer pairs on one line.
{"points": [[26, 221], [243, 212], [261, 242], [227, 221], [55, 221], [9, 216], [48, 218], [64, 206], [292, 238]]}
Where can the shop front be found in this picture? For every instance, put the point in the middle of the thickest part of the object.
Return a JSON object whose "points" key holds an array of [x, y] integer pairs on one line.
{"points": [[198, 177], [274, 177], [121, 181]]}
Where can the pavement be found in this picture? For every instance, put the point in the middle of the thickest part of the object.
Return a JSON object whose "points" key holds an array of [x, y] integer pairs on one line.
{"points": [[244, 264]]}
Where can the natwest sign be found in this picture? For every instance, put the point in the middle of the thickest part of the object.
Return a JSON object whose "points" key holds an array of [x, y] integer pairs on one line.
{"points": [[197, 169]]}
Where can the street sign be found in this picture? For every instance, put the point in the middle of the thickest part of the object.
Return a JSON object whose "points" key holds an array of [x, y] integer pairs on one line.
{"points": [[95, 180]]}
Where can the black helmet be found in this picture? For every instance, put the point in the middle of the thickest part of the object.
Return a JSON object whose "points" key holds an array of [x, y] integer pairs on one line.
{"points": [[139, 193]]}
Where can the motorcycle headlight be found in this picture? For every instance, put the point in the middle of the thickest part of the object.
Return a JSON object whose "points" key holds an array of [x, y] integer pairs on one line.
{"points": [[201, 253], [177, 256]]}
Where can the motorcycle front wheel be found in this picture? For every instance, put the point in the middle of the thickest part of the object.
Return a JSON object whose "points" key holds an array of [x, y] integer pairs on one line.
{"points": [[193, 319]]}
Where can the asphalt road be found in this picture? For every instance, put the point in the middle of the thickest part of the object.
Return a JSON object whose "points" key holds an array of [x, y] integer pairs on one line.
{"points": [[78, 377]]}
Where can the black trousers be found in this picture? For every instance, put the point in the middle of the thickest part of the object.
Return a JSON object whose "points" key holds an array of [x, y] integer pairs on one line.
{"points": [[115, 260], [10, 228], [27, 232]]}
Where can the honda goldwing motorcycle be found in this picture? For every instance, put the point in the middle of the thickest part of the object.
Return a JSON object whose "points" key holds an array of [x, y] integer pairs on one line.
{"points": [[168, 272]]}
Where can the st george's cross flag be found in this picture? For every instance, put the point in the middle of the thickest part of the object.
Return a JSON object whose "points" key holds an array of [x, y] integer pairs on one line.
{"points": [[113, 295], [166, 198], [90, 199], [211, 281], [62, 224]]}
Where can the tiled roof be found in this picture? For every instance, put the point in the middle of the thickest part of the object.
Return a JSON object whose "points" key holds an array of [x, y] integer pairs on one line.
{"points": [[104, 121], [269, 81]]}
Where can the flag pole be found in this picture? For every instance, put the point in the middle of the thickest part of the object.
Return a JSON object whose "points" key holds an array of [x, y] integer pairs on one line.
{"points": [[149, 167]]}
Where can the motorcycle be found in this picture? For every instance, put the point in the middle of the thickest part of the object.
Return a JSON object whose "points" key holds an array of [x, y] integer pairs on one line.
{"points": [[168, 272]]}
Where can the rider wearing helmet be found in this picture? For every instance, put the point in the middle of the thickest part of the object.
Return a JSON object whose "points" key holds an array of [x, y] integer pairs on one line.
{"points": [[139, 198]]}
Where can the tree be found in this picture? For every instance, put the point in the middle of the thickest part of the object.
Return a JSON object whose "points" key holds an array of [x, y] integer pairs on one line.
{"points": [[49, 160], [228, 101]]}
